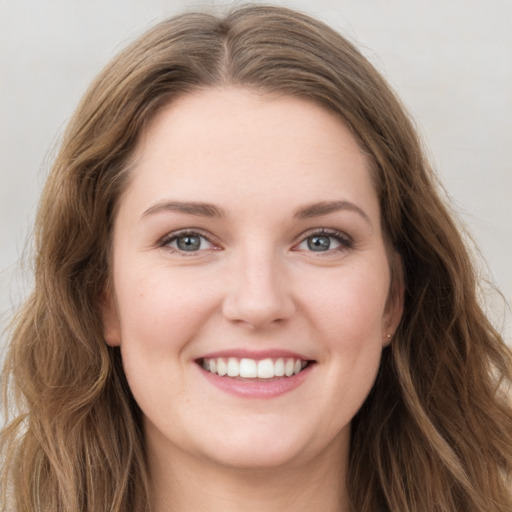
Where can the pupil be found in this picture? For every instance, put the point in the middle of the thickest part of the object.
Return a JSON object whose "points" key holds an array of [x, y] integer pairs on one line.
{"points": [[319, 243], [189, 243]]}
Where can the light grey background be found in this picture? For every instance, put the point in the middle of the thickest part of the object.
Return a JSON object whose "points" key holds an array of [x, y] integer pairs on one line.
{"points": [[449, 60]]}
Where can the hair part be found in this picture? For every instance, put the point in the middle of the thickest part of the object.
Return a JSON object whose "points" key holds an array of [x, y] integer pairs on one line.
{"points": [[436, 431]]}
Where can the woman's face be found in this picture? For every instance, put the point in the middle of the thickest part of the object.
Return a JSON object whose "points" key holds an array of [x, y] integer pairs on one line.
{"points": [[249, 241]]}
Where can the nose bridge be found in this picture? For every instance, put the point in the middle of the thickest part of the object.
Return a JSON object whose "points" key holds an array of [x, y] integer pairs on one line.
{"points": [[259, 293]]}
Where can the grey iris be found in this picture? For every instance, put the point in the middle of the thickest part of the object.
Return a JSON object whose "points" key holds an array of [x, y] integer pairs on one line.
{"points": [[188, 243], [319, 243]]}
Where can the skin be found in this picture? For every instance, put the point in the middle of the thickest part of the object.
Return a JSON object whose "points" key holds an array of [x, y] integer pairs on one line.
{"points": [[254, 283]]}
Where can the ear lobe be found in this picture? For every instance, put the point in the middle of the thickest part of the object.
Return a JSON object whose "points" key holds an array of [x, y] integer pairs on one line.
{"points": [[395, 303], [110, 318]]}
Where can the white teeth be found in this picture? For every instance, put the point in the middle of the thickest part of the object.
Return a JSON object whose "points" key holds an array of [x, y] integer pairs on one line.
{"points": [[266, 369], [251, 368], [233, 367], [279, 367], [288, 367], [248, 368], [222, 368]]}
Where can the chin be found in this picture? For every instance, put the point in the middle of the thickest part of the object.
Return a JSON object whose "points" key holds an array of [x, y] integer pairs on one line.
{"points": [[255, 457], [261, 449]]}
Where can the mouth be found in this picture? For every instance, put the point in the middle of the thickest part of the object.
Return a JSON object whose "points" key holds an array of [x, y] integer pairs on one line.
{"points": [[255, 374], [251, 369]]}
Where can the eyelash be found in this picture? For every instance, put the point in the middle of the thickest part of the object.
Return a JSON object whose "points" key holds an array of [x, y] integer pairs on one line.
{"points": [[344, 241], [171, 237]]}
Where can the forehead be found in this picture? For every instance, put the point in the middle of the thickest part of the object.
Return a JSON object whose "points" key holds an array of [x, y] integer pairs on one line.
{"points": [[230, 142]]}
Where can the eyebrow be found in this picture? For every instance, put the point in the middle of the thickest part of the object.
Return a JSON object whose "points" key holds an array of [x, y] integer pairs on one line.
{"points": [[190, 208], [201, 209], [326, 207]]}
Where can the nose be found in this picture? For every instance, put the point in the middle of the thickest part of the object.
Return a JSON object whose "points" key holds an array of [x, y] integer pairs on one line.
{"points": [[259, 293]]}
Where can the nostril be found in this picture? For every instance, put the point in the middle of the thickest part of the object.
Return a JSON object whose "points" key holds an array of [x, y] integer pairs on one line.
{"points": [[258, 296], [257, 314]]}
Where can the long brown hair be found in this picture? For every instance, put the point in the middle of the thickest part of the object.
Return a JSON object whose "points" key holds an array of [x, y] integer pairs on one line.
{"points": [[436, 431]]}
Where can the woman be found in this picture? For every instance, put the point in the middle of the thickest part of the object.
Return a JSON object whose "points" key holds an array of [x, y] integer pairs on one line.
{"points": [[249, 295]]}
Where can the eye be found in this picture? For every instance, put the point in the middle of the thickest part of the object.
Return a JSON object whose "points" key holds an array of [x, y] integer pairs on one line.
{"points": [[325, 241], [187, 241]]}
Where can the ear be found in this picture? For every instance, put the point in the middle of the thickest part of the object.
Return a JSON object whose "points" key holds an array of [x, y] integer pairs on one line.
{"points": [[110, 318], [395, 303]]}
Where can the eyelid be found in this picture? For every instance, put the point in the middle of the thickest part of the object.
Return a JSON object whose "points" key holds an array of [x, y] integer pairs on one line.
{"points": [[173, 235], [346, 242]]}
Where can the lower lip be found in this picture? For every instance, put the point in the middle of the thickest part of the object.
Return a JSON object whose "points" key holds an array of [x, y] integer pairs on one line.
{"points": [[257, 388]]}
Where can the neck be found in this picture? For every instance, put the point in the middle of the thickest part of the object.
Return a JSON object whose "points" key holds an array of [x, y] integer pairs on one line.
{"points": [[189, 485]]}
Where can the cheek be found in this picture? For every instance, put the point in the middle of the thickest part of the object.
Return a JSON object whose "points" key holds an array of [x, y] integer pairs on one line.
{"points": [[159, 316], [350, 304], [161, 311], [354, 340]]}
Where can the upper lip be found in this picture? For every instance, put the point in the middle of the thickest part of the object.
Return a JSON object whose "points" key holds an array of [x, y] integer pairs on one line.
{"points": [[255, 354]]}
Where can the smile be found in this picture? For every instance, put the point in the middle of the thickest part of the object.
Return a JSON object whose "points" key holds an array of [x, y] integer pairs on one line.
{"points": [[246, 368]]}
